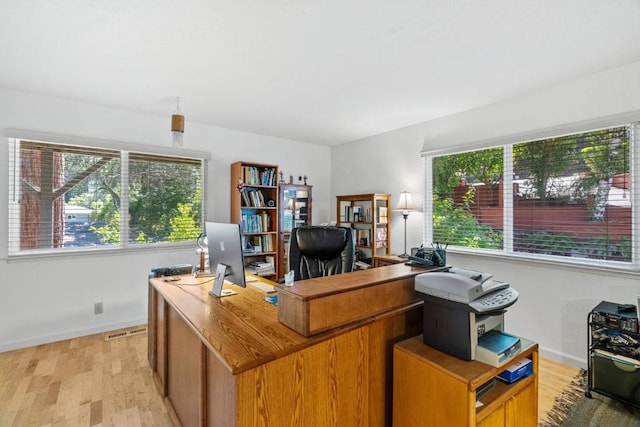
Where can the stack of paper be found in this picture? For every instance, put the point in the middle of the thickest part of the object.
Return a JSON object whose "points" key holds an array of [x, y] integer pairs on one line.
{"points": [[261, 268]]}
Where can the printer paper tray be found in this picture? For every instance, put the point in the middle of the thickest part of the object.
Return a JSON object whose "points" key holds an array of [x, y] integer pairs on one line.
{"points": [[494, 359]]}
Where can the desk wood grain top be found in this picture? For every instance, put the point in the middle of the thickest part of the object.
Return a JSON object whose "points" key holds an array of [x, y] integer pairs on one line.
{"points": [[243, 329], [324, 286]]}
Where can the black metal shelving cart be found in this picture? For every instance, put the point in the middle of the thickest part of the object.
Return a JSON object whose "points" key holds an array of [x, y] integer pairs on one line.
{"points": [[613, 360]]}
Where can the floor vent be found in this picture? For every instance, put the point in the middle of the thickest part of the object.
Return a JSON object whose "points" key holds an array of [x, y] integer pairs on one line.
{"points": [[122, 333]]}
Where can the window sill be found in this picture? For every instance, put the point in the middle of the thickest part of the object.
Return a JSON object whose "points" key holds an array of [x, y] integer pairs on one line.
{"points": [[101, 252], [602, 266]]}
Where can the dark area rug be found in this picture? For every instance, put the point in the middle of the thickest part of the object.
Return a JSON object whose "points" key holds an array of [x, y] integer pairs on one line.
{"points": [[574, 409]]}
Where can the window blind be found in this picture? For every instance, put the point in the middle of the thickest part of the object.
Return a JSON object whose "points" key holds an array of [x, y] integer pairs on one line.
{"points": [[467, 201], [66, 196], [570, 195]]}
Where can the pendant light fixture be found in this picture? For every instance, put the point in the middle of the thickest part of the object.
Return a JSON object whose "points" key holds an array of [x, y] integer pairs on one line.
{"points": [[177, 125]]}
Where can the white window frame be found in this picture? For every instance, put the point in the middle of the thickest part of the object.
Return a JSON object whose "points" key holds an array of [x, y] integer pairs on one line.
{"points": [[15, 135], [507, 143]]}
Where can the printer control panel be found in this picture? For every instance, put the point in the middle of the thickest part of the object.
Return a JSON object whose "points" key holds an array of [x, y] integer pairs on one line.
{"points": [[495, 300]]}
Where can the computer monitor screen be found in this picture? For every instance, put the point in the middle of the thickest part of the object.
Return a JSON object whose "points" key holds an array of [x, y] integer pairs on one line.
{"points": [[225, 250]]}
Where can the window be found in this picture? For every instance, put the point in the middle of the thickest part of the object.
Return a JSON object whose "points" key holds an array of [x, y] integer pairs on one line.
{"points": [[566, 196], [462, 184], [69, 196]]}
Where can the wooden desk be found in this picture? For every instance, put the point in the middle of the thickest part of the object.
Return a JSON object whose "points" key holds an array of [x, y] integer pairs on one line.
{"points": [[382, 260], [230, 362]]}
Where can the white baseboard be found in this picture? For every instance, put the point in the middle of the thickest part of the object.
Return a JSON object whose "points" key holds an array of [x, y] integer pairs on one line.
{"points": [[567, 359], [15, 345]]}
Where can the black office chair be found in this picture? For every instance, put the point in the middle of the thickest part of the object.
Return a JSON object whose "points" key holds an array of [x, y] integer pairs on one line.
{"points": [[317, 251]]}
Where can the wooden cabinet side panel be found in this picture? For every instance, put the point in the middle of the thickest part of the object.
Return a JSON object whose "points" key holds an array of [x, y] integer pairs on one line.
{"points": [[293, 313], [522, 409], [349, 368], [324, 385], [161, 342], [185, 373], [221, 393], [383, 334], [424, 395], [152, 306], [235, 176]]}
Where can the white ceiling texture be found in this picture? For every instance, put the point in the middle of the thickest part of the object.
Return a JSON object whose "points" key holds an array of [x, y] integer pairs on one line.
{"points": [[320, 71]]}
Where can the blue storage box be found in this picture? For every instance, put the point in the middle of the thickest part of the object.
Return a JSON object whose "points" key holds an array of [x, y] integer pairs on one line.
{"points": [[522, 368]]}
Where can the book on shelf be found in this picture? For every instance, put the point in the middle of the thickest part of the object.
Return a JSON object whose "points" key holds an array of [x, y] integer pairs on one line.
{"points": [[347, 214], [251, 175], [382, 215], [252, 198], [363, 236], [381, 237], [357, 213], [245, 198], [256, 197], [261, 268], [257, 244], [262, 264], [255, 223]]}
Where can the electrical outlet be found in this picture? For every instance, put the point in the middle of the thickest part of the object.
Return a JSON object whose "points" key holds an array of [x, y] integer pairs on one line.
{"points": [[97, 308]]}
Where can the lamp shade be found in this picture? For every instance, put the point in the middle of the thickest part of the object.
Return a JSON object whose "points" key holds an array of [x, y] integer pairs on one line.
{"points": [[177, 125], [405, 203]]}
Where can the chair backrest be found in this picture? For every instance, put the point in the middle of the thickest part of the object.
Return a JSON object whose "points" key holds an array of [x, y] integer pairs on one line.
{"points": [[316, 251]]}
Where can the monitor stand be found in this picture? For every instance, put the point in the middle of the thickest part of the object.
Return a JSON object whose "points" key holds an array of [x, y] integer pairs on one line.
{"points": [[217, 291]]}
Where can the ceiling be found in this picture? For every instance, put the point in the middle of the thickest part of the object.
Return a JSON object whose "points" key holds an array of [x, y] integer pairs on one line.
{"points": [[320, 71]]}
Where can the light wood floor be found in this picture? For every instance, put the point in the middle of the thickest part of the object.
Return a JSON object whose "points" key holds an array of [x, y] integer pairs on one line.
{"points": [[84, 381], [552, 381], [88, 381]]}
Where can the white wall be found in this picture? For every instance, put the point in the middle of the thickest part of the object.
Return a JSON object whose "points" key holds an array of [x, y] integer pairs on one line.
{"points": [[44, 300], [554, 300]]}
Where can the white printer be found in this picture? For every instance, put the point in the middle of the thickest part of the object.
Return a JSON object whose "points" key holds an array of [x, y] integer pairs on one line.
{"points": [[460, 306]]}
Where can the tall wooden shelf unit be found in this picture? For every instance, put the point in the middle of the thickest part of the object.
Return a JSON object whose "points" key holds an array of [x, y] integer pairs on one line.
{"points": [[295, 203], [255, 208], [369, 215]]}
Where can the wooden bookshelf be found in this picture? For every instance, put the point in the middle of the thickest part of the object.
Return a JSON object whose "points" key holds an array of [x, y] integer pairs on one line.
{"points": [[369, 215], [254, 205]]}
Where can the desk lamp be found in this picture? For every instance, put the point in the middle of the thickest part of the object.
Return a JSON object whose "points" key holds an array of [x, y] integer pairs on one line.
{"points": [[405, 205], [203, 251]]}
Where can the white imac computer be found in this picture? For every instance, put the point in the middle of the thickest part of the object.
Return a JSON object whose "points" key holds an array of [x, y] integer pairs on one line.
{"points": [[225, 256]]}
